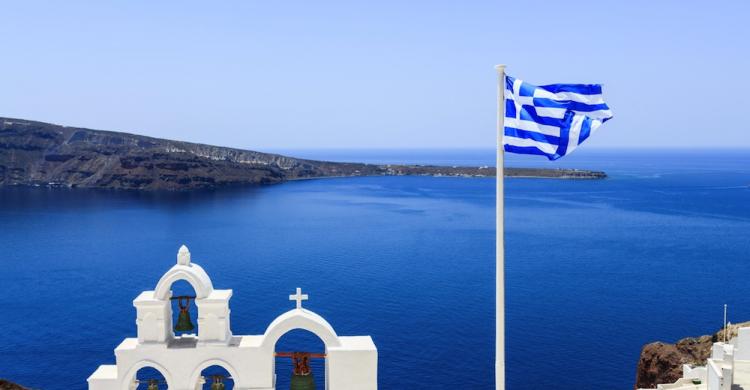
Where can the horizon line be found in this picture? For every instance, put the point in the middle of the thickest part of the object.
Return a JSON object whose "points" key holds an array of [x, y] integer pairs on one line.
{"points": [[274, 149]]}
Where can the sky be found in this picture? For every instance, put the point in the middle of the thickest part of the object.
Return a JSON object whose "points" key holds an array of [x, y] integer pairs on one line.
{"points": [[378, 74]]}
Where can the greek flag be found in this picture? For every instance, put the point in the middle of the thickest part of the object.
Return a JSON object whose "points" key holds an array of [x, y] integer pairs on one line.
{"points": [[551, 120]]}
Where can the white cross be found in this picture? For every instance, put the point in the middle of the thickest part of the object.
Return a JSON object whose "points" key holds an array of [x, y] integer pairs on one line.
{"points": [[520, 100], [299, 297]]}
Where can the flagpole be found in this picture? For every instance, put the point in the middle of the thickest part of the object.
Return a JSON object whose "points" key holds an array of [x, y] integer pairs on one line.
{"points": [[500, 236], [725, 322]]}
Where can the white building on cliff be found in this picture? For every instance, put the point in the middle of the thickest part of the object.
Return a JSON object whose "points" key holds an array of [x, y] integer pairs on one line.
{"points": [[350, 361], [728, 368]]}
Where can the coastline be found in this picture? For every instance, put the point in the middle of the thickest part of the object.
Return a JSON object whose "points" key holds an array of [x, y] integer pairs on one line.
{"points": [[40, 154]]}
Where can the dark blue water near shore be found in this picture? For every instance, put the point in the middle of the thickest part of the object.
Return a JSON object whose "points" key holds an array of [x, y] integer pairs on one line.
{"points": [[595, 269]]}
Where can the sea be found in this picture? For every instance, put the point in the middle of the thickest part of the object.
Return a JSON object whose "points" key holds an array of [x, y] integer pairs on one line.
{"points": [[595, 269]]}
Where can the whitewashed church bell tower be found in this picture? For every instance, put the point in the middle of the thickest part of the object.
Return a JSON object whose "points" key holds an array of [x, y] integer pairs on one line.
{"points": [[350, 361]]}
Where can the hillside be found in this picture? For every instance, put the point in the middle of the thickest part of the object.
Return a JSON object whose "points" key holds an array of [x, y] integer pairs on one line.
{"points": [[42, 154], [661, 362]]}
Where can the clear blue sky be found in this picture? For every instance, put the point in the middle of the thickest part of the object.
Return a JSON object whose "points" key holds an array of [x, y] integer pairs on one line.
{"points": [[309, 74]]}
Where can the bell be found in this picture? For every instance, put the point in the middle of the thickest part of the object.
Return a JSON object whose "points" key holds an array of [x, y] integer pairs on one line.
{"points": [[302, 377], [218, 383], [153, 384], [302, 382], [183, 320]]}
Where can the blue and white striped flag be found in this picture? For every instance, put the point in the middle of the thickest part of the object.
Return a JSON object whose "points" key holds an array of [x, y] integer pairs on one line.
{"points": [[551, 120]]}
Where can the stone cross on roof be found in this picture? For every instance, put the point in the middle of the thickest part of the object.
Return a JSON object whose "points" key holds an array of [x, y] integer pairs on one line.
{"points": [[299, 297]]}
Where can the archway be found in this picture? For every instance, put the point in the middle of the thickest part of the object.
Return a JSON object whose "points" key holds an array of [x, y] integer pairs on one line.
{"points": [[184, 270], [183, 296], [212, 372], [307, 322], [294, 341], [147, 374], [300, 319]]}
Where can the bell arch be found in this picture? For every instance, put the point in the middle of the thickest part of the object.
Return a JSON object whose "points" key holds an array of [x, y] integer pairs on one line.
{"points": [[300, 356], [181, 291], [133, 371], [300, 319], [195, 376], [193, 274]]}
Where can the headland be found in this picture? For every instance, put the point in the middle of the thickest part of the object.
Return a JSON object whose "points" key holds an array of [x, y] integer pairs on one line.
{"points": [[43, 154]]}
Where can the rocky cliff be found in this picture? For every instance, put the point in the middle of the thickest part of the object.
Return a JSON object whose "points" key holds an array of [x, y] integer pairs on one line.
{"points": [[43, 154], [5, 385], [661, 363]]}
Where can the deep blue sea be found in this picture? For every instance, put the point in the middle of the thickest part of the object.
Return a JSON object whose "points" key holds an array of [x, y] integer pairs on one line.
{"points": [[595, 269]]}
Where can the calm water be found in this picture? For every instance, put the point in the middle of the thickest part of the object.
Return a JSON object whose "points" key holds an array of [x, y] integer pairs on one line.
{"points": [[595, 269]]}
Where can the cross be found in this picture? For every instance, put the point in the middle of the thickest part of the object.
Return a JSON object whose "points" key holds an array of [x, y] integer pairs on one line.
{"points": [[299, 297], [519, 100]]}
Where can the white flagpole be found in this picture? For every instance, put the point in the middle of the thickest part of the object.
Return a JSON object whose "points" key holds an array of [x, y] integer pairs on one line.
{"points": [[500, 236], [725, 322]]}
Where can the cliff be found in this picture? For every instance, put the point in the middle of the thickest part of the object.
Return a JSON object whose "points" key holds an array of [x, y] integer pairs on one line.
{"points": [[43, 154], [661, 363], [5, 385]]}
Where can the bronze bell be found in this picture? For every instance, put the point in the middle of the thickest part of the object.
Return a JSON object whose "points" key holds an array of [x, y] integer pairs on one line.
{"points": [[153, 384], [302, 382], [302, 377], [183, 320], [218, 383]]}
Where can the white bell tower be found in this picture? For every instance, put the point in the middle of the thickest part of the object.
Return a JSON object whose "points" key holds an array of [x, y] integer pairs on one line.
{"points": [[351, 362]]}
